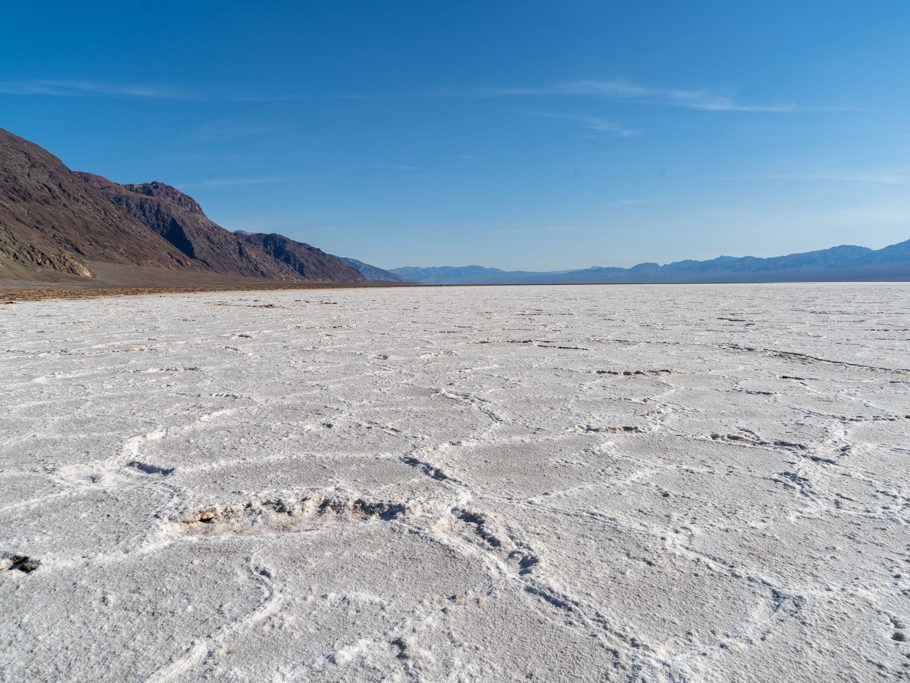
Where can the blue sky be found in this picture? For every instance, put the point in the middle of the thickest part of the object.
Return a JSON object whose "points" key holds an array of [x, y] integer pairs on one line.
{"points": [[535, 134]]}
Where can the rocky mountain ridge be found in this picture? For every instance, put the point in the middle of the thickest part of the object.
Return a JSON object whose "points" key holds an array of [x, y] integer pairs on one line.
{"points": [[61, 226]]}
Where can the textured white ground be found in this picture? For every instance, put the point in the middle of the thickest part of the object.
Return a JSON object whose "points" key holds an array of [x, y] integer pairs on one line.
{"points": [[684, 483]]}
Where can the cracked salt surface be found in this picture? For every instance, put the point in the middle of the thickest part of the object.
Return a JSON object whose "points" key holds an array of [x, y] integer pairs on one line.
{"points": [[684, 483]]}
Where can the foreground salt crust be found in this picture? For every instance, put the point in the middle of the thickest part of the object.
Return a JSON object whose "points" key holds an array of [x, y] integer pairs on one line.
{"points": [[698, 483]]}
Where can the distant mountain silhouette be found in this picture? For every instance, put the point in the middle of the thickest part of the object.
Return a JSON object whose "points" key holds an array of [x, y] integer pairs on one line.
{"points": [[842, 263], [372, 273]]}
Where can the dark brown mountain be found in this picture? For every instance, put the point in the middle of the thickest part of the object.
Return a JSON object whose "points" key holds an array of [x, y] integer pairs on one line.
{"points": [[307, 261], [54, 227], [180, 220], [61, 226]]}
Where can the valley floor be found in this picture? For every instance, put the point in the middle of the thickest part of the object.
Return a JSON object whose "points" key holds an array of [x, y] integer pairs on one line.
{"points": [[661, 483], [11, 293]]}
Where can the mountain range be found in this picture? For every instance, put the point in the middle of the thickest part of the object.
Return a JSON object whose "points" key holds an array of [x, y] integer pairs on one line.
{"points": [[61, 226], [843, 263]]}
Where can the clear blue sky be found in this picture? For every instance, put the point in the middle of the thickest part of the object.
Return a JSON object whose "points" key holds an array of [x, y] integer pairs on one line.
{"points": [[532, 134]]}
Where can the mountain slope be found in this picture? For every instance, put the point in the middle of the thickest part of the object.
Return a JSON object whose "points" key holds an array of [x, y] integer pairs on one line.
{"points": [[845, 262], [372, 273], [306, 261], [180, 220], [54, 227]]}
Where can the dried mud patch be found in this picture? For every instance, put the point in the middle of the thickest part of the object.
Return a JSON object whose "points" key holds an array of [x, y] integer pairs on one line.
{"points": [[611, 429], [638, 373], [292, 514], [22, 563]]}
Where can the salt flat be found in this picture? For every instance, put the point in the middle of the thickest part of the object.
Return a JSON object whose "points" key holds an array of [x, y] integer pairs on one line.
{"points": [[681, 483]]}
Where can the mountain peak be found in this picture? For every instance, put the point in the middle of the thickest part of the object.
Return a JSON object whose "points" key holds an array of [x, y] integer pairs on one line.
{"points": [[156, 190], [166, 193], [54, 225]]}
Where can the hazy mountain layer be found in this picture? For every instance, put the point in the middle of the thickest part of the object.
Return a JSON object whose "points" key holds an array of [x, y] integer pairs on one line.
{"points": [[373, 273], [844, 263]]}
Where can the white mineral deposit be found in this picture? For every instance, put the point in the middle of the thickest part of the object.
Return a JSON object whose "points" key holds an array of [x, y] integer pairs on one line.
{"points": [[624, 483]]}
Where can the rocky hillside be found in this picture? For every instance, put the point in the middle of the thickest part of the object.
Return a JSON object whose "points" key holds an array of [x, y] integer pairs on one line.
{"points": [[181, 221], [55, 227], [306, 261]]}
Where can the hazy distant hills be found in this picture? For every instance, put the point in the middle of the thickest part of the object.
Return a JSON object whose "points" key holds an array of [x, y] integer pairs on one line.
{"points": [[61, 226], [373, 273], [843, 263]]}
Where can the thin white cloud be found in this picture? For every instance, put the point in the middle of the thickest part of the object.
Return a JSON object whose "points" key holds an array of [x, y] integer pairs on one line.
{"points": [[275, 180], [232, 182], [592, 122], [77, 88], [873, 176], [96, 88], [703, 99]]}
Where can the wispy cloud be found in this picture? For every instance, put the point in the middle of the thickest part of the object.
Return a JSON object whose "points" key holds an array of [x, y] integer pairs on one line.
{"points": [[98, 88], [701, 99], [875, 177], [275, 180], [232, 182], [592, 122], [77, 88], [896, 176]]}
